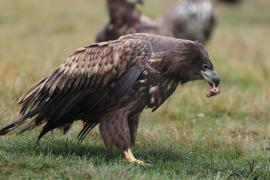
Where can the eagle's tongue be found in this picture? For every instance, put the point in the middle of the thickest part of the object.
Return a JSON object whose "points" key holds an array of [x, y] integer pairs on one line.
{"points": [[213, 91]]}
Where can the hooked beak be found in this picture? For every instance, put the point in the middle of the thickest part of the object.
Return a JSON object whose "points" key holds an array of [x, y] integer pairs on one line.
{"points": [[136, 1], [212, 78]]}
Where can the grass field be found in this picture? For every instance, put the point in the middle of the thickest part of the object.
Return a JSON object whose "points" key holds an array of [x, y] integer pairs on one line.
{"points": [[189, 137]]}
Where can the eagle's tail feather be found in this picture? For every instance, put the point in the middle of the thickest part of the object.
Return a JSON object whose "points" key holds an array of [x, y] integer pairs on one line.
{"points": [[19, 121], [88, 126], [29, 126]]}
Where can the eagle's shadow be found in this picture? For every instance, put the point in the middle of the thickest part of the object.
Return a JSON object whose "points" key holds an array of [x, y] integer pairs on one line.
{"points": [[90, 151]]}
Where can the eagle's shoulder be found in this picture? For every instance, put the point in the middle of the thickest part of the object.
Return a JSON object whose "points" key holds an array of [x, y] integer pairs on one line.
{"points": [[158, 43]]}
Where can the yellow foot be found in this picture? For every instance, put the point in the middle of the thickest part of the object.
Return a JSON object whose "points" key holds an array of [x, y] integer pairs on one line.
{"points": [[131, 159], [137, 161]]}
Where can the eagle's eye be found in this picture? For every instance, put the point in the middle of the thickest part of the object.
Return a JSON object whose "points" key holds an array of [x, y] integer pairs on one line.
{"points": [[206, 66]]}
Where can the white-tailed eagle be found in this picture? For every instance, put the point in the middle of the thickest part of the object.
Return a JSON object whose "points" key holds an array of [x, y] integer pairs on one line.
{"points": [[111, 83]]}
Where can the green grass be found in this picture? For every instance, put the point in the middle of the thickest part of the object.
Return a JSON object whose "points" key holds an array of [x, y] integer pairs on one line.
{"points": [[189, 137]]}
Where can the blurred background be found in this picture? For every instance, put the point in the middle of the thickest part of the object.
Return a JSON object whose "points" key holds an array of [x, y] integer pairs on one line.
{"points": [[230, 129]]}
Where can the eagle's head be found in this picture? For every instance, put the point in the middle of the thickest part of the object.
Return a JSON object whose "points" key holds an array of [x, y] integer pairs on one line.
{"points": [[189, 61]]}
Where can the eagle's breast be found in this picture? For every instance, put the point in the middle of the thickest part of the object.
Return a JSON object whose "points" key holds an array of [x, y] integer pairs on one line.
{"points": [[160, 91], [150, 90]]}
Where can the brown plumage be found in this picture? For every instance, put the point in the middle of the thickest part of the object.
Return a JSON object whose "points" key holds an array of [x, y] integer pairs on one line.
{"points": [[124, 19], [111, 83], [188, 19]]}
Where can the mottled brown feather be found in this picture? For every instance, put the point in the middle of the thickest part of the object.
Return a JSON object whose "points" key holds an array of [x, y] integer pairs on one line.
{"points": [[87, 73], [85, 64]]}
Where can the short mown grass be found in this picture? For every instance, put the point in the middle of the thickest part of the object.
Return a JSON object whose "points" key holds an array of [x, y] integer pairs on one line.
{"points": [[189, 137]]}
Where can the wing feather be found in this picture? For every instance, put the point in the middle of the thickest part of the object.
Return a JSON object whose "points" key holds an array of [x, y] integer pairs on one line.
{"points": [[86, 77]]}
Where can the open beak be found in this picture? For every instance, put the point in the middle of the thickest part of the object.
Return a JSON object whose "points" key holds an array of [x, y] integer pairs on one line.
{"points": [[212, 78], [135, 1]]}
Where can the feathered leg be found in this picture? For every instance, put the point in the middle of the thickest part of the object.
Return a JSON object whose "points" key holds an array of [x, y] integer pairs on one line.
{"points": [[133, 123], [114, 129]]}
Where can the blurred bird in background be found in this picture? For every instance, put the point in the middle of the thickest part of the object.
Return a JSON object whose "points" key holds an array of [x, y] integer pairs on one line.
{"points": [[231, 1], [188, 19]]}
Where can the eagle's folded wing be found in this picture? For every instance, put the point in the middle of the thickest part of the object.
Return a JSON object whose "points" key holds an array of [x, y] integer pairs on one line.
{"points": [[87, 76]]}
